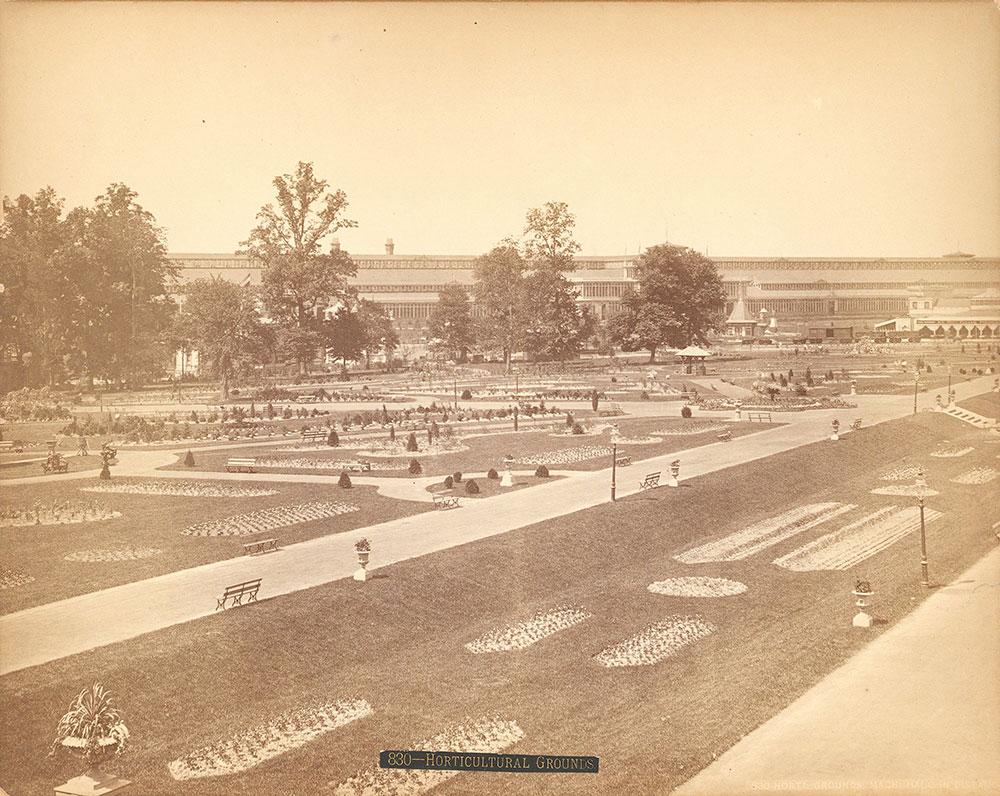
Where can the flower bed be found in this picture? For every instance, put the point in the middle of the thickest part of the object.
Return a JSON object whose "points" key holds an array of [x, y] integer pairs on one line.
{"points": [[55, 514], [303, 463], [697, 587], [656, 642], [594, 430], [251, 747], [692, 427], [567, 455], [635, 440], [901, 474], [179, 488], [123, 554], [269, 519], [490, 734], [951, 451], [524, 634], [905, 490], [853, 543], [764, 534], [12, 578], [981, 475]]}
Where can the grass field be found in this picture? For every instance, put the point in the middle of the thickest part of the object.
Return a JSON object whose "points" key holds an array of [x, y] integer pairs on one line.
{"points": [[397, 641]]}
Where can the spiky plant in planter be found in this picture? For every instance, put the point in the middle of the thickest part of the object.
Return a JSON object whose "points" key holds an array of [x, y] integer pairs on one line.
{"points": [[93, 730]]}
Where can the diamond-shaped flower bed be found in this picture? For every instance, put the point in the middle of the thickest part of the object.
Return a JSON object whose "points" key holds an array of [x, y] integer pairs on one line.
{"points": [[853, 543], [269, 519], [524, 634], [764, 534], [180, 488], [981, 475], [901, 474], [12, 578], [697, 587], [567, 455], [486, 734], [951, 452], [693, 427], [61, 513], [905, 490], [656, 642], [251, 747], [123, 554]]}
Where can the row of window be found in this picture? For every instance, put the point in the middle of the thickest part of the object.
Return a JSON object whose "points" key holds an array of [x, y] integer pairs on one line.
{"points": [[827, 306]]}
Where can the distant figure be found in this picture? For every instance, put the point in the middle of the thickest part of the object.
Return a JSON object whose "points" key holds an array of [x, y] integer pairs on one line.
{"points": [[82, 449]]}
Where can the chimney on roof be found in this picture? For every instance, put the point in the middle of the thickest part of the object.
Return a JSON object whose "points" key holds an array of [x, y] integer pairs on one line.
{"points": [[335, 244], [390, 247]]}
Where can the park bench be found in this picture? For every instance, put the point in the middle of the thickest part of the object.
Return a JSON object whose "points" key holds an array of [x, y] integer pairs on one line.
{"points": [[360, 467], [55, 464], [623, 461], [315, 436], [241, 465], [260, 546], [307, 399], [237, 592], [446, 501], [12, 446], [726, 436], [651, 481], [856, 425], [760, 417], [610, 410]]}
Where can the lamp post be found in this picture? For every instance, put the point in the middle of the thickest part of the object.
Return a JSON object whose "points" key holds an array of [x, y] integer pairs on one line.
{"points": [[949, 384], [924, 579], [916, 382], [614, 466]]}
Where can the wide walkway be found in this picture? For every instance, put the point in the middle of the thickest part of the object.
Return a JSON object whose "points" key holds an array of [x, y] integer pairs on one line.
{"points": [[916, 712], [55, 630]]}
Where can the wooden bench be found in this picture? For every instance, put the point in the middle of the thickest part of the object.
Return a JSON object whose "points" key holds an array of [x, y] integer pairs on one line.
{"points": [[446, 501], [856, 425], [623, 461], [241, 465], [237, 592], [760, 417], [726, 436], [260, 546], [12, 446], [610, 410], [315, 436], [360, 467], [55, 464], [651, 481]]}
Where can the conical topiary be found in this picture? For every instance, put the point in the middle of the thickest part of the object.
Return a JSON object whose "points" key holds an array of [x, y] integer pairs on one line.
{"points": [[411, 443], [492, 474], [105, 472], [415, 468], [189, 459], [332, 439], [542, 471], [345, 481], [472, 487]]}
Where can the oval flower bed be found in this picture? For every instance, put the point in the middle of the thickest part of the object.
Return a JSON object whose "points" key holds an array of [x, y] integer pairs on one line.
{"points": [[905, 490], [489, 734], [55, 514], [764, 534], [179, 488], [981, 475], [853, 543], [524, 634], [12, 578], [656, 642], [697, 587], [566, 456], [951, 451], [253, 746], [269, 519], [123, 554]]}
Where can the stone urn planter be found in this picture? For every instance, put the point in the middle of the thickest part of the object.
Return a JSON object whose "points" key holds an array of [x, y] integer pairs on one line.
{"points": [[835, 425], [364, 550], [862, 591], [93, 781], [92, 730], [675, 470]]}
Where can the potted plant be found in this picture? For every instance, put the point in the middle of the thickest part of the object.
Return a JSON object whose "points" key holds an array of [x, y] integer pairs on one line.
{"points": [[93, 730], [364, 549]]}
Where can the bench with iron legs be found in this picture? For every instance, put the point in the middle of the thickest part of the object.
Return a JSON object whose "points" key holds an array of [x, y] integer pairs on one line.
{"points": [[360, 467], [856, 425], [610, 410], [241, 465], [315, 436], [446, 501], [623, 461], [260, 546], [12, 446], [55, 463], [651, 481], [760, 417], [726, 437], [237, 593]]}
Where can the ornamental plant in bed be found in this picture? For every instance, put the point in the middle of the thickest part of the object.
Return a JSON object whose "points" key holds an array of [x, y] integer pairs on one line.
{"points": [[524, 634], [269, 519], [567, 455], [656, 642], [54, 514], [180, 488], [697, 587], [981, 475]]}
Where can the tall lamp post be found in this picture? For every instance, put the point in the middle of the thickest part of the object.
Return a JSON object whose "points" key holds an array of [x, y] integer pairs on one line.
{"points": [[949, 384], [916, 383], [922, 493], [614, 466]]}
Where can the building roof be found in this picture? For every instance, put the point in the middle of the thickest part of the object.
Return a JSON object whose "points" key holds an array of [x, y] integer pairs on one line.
{"points": [[740, 314], [694, 351]]}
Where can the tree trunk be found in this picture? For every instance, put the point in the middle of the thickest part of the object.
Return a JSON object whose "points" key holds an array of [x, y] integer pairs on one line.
{"points": [[225, 386], [652, 356]]}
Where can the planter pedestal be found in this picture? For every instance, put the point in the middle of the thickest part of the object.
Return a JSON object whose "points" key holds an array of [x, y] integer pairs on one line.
{"points": [[94, 783], [861, 618], [361, 574], [507, 479]]}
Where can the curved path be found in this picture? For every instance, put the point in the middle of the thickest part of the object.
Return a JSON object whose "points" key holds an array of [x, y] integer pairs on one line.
{"points": [[47, 632]]}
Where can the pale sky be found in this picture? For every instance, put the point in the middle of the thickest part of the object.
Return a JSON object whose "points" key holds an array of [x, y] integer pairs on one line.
{"points": [[747, 129]]}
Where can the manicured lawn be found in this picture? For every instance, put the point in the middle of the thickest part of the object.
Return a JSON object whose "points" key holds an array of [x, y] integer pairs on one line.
{"points": [[397, 641], [154, 522], [987, 404]]}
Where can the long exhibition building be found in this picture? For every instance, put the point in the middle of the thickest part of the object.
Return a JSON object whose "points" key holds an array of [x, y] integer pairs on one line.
{"points": [[815, 296]]}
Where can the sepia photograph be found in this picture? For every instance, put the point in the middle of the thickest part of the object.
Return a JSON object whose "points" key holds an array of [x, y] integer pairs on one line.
{"points": [[474, 398]]}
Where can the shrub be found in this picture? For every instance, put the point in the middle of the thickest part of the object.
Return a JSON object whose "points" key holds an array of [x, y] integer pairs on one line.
{"points": [[466, 395], [472, 487], [542, 471], [492, 475], [449, 482], [189, 459], [392, 433], [345, 480], [434, 430], [363, 545], [685, 411], [458, 478], [644, 395], [411, 443], [569, 420], [800, 389], [105, 472], [577, 428], [415, 468]]}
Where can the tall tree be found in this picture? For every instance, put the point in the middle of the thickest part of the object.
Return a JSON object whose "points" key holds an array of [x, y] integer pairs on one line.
{"points": [[500, 292], [556, 326], [379, 333], [680, 299], [223, 322], [344, 335], [548, 237], [451, 327], [299, 280]]}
